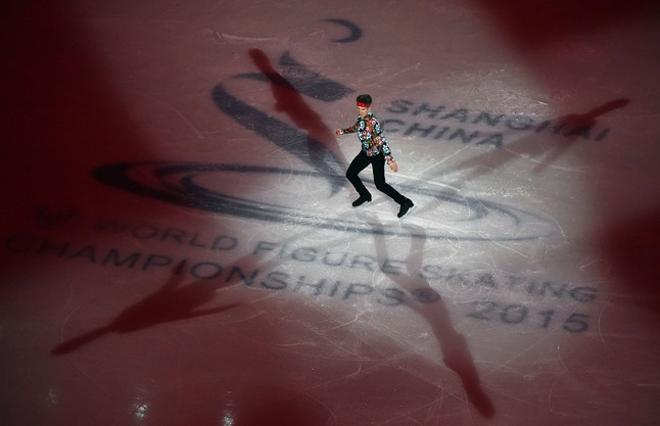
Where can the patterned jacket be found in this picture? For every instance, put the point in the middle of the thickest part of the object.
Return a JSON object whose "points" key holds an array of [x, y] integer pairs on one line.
{"points": [[371, 136]]}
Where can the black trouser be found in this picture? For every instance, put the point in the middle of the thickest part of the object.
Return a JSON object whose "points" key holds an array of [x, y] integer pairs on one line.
{"points": [[359, 163]]}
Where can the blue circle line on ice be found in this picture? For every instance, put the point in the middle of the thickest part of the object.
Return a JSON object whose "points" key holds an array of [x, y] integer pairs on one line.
{"points": [[179, 183], [355, 32]]}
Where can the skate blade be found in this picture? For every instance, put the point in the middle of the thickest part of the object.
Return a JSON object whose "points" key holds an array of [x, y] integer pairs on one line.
{"points": [[408, 212]]}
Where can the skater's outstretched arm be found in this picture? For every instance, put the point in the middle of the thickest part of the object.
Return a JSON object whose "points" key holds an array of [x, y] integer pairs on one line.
{"points": [[351, 129]]}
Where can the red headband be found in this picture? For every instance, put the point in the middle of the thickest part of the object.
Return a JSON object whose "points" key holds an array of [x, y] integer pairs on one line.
{"points": [[363, 104]]}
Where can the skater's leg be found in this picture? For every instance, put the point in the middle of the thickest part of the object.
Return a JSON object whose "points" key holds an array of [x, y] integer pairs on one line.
{"points": [[378, 165], [357, 165]]}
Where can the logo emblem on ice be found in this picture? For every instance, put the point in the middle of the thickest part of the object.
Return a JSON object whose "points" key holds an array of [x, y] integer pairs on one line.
{"points": [[217, 188]]}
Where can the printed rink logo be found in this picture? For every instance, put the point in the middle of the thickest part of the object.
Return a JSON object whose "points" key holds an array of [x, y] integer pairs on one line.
{"points": [[238, 190]]}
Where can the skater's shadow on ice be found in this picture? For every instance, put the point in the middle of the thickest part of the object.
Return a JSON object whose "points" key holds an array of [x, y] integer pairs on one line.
{"points": [[174, 301], [572, 127], [544, 151], [455, 351], [307, 138], [320, 142]]}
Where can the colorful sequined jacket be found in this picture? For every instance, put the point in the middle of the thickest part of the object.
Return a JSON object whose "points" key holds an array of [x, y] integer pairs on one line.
{"points": [[371, 136]]}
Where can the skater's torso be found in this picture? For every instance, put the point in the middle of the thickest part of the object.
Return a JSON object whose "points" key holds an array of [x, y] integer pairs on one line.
{"points": [[370, 134]]}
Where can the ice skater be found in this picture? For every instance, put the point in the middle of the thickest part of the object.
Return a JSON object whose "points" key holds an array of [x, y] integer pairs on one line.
{"points": [[376, 152]]}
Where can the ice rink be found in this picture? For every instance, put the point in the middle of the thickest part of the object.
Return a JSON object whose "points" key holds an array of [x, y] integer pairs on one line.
{"points": [[179, 245]]}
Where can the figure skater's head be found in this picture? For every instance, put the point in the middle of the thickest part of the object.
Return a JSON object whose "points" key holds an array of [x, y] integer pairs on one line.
{"points": [[363, 104]]}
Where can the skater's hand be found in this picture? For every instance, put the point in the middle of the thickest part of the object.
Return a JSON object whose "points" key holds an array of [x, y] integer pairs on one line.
{"points": [[393, 166], [339, 132]]}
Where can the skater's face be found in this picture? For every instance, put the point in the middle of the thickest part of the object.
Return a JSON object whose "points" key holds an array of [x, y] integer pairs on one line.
{"points": [[363, 111]]}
